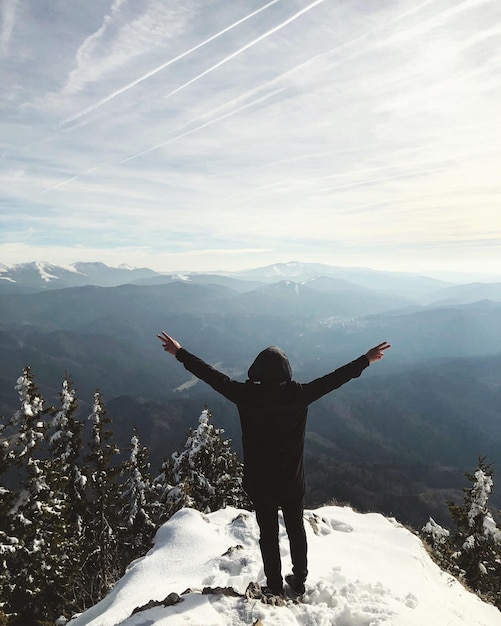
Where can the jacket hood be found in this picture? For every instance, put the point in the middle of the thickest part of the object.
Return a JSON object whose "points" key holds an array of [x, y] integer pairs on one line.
{"points": [[270, 366]]}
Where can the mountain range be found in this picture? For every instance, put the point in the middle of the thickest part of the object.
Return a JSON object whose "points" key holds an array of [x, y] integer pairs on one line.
{"points": [[397, 440], [39, 276]]}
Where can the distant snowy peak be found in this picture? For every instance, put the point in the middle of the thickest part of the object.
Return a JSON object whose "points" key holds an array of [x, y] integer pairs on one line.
{"points": [[36, 272], [290, 270], [47, 271], [41, 275], [408, 284]]}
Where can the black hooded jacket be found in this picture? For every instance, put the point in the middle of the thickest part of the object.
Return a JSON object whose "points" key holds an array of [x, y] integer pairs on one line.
{"points": [[273, 410]]}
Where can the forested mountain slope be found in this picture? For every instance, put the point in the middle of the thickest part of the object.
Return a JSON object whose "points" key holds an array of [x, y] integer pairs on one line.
{"points": [[421, 417]]}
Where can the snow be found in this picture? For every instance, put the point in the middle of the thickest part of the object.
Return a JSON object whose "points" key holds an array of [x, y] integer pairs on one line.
{"points": [[365, 570], [439, 534], [44, 270], [480, 495]]}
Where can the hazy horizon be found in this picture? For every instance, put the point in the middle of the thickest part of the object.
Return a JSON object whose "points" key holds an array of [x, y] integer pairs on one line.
{"points": [[460, 277]]}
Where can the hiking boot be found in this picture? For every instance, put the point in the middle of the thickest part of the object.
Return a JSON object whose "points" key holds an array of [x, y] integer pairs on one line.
{"points": [[271, 596], [295, 584], [275, 597], [272, 591]]}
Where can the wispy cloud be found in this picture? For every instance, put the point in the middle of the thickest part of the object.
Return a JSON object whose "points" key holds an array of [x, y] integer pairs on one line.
{"points": [[91, 63], [8, 20], [151, 73]]}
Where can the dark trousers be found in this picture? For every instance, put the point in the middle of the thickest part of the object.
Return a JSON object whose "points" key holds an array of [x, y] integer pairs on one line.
{"points": [[267, 519]]}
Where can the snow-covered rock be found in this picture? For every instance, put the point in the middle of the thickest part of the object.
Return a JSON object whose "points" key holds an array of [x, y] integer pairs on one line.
{"points": [[365, 570]]}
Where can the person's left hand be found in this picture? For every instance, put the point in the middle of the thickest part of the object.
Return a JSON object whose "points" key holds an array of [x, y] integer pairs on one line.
{"points": [[377, 353], [169, 345]]}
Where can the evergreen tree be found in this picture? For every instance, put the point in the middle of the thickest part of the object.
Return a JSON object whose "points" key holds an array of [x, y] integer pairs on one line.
{"points": [[136, 514], [68, 484], [206, 476], [66, 449], [476, 543], [473, 551], [170, 497], [438, 538], [101, 567], [34, 515], [28, 420]]}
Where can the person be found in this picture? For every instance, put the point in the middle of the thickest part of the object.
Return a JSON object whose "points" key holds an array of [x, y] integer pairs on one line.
{"points": [[273, 410]]}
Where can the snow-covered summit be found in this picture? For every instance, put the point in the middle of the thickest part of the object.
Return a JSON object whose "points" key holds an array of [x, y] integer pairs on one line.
{"points": [[40, 276], [365, 570]]}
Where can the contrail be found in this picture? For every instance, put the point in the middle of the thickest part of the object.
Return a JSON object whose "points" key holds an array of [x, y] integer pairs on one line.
{"points": [[279, 78], [209, 123], [225, 60], [163, 66], [243, 107], [69, 180], [247, 46]]}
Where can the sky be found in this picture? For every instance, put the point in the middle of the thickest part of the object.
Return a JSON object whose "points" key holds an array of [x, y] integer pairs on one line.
{"points": [[364, 570], [222, 135]]}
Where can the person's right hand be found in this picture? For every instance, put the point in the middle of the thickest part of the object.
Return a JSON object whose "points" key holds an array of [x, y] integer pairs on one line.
{"points": [[169, 345], [377, 353]]}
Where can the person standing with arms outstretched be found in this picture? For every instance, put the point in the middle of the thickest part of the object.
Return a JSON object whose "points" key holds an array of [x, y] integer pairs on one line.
{"points": [[273, 410]]}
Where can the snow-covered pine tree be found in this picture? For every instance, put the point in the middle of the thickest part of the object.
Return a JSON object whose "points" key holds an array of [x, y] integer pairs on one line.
{"points": [[101, 568], [206, 476], [68, 484], [438, 538], [66, 449], [476, 542], [34, 515], [135, 516], [28, 420], [169, 497]]}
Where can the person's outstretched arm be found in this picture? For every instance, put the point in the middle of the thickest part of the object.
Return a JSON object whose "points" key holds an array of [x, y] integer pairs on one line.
{"points": [[217, 380], [321, 386]]}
